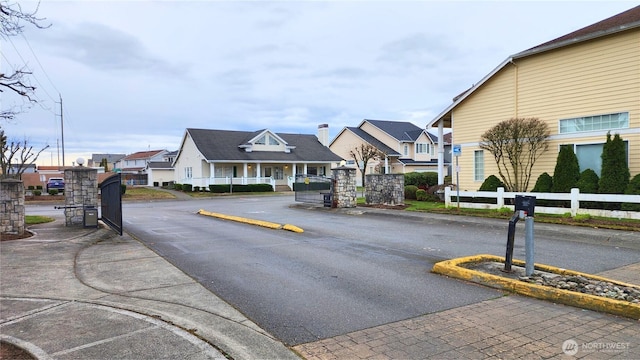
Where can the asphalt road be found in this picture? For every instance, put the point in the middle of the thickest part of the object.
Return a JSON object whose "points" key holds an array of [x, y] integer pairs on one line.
{"points": [[346, 272]]}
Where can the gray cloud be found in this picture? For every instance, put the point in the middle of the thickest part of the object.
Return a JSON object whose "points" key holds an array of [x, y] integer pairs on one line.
{"points": [[102, 47]]}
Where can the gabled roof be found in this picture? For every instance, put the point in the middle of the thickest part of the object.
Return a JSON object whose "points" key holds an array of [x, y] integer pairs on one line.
{"points": [[159, 165], [111, 158], [373, 141], [143, 154], [624, 21], [224, 145], [399, 130]]}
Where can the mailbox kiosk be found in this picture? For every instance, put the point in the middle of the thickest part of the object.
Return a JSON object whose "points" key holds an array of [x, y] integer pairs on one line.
{"points": [[524, 209]]}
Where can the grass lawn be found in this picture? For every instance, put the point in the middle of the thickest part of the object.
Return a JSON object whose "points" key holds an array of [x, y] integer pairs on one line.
{"points": [[36, 219]]}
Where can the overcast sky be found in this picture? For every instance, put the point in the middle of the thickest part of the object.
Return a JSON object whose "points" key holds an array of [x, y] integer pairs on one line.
{"points": [[133, 75]]}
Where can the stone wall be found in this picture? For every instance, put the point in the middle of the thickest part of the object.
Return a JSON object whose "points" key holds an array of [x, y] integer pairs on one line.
{"points": [[11, 207], [80, 192], [385, 189], [344, 187]]}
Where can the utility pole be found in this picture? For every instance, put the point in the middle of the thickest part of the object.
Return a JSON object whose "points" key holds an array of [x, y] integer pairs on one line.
{"points": [[62, 128]]}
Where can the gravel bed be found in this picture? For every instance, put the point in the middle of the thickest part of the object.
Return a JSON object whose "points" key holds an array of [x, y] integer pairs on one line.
{"points": [[575, 283]]}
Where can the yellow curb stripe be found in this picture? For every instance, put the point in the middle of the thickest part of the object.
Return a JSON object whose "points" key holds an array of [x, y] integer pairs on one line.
{"points": [[454, 269], [267, 224], [292, 228]]}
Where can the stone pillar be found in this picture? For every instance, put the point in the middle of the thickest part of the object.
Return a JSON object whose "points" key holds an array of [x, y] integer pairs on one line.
{"points": [[11, 207], [80, 192], [385, 189], [344, 187]]}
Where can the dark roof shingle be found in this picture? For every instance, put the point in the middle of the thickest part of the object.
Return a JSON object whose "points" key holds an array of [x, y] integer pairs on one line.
{"points": [[223, 145]]}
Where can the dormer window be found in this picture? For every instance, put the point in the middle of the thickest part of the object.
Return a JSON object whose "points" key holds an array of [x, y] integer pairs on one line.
{"points": [[273, 141], [262, 140]]}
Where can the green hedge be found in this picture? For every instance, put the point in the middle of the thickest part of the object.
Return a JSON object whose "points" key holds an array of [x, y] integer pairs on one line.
{"points": [[219, 189], [187, 187], [177, 187]]}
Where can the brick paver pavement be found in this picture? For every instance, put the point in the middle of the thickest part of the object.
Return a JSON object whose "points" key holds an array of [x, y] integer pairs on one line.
{"points": [[509, 327]]}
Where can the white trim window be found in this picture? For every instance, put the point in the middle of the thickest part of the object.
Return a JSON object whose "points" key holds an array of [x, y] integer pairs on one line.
{"points": [[406, 150], [594, 123], [188, 172], [478, 165], [422, 148]]}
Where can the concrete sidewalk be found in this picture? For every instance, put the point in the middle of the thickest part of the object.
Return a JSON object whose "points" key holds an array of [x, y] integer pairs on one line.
{"points": [[80, 293]]}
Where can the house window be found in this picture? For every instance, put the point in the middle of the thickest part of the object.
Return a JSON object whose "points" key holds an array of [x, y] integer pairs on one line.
{"points": [[351, 162], [478, 165], [312, 170], [598, 122], [422, 148], [589, 156], [278, 173], [262, 140], [273, 141], [406, 150], [188, 172]]}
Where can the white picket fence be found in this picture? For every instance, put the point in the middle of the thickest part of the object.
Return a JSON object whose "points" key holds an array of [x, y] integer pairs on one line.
{"points": [[575, 197]]}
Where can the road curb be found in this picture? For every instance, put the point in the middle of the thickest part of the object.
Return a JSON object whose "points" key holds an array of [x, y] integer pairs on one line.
{"points": [[267, 224], [453, 268]]}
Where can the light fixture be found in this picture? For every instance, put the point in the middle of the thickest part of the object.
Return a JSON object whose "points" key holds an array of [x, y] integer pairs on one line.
{"points": [[80, 161]]}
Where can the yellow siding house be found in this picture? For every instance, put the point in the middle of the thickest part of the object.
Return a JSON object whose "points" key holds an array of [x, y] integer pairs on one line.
{"points": [[583, 85]]}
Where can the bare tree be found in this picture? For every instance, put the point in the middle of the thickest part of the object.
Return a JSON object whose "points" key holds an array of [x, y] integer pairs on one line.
{"points": [[363, 154], [515, 145], [20, 151], [12, 20]]}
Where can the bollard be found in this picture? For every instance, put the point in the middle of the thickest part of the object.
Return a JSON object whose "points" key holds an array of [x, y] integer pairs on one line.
{"points": [[524, 207]]}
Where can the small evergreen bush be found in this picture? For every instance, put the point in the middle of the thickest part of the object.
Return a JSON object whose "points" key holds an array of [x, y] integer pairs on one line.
{"points": [[177, 187], [53, 191], [588, 184], [632, 189], [123, 189], [37, 192], [187, 187], [492, 183], [421, 195], [196, 188], [543, 184], [410, 192], [567, 171]]}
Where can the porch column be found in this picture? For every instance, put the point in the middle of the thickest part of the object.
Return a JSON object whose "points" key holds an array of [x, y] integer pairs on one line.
{"points": [[441, 152], [258, 171], [245, 170], [212, 173], [293, 171], [305, 168]]}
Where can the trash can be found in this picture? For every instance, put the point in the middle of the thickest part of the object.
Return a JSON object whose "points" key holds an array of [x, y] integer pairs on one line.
{"points": [[327, 200], [90, 217]]}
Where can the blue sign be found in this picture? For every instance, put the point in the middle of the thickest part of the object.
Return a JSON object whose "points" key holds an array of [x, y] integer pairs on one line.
{"points": [[457, 150]]}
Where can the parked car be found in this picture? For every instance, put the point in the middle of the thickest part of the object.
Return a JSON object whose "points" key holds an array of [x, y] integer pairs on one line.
{"points": [[55, 183]]}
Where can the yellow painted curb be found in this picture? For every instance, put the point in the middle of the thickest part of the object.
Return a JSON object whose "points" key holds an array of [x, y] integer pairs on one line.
{"points": [[454, 269], [267, 224]]}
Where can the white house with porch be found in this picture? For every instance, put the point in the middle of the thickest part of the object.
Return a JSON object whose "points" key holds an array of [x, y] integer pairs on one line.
{"points": [[209, 157]]}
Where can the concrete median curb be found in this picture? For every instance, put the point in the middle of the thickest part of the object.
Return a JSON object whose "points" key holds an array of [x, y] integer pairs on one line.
{"points": [[267, 224], [454, 268]]}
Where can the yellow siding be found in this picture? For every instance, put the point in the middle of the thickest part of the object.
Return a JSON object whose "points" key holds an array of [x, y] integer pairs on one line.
{"points": [[592, 78]]}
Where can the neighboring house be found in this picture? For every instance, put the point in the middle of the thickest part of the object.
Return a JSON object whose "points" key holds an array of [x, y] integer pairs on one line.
{"points": [[136, 163], [406, 147], [220, 156], [160, 173], [25, 168], [583, 85], [112, 160]]}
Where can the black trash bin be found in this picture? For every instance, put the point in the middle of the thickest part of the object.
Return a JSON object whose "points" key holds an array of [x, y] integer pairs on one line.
{"points": [[327, 200]]}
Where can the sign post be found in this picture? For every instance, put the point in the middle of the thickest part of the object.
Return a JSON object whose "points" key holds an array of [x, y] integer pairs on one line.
{"points": [[457, 151]]}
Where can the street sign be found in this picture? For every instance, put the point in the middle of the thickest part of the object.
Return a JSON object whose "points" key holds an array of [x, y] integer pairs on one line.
{"points": [[457, 150]]}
